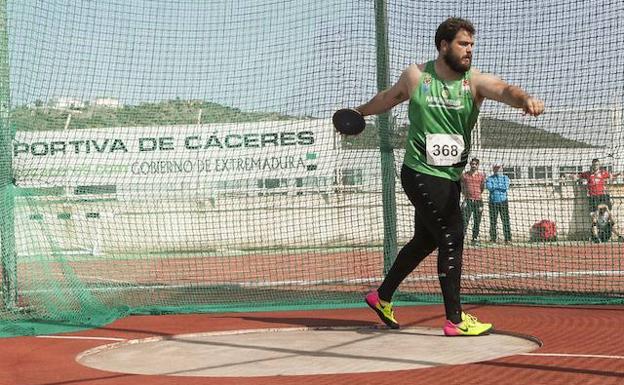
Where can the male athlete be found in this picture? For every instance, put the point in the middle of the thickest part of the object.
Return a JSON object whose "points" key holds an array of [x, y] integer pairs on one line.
{"points": [[444, 99]]}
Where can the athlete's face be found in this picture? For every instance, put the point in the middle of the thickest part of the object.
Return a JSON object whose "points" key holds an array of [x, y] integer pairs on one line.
{"points": [[474, 166], [458, 53]]}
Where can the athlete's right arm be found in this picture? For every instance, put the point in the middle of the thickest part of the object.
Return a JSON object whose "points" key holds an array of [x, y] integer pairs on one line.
{"points": [[398, 93]]}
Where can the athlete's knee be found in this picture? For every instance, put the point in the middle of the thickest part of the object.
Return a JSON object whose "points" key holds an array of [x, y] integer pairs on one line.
{"points": [[418, 247], [451, 239], [450, 252], [449, 264]]}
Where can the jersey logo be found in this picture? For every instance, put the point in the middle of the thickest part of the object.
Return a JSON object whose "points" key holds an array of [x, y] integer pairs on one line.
{"points": [[438, 102], [445, 92], [466, 85], [426, 83]]}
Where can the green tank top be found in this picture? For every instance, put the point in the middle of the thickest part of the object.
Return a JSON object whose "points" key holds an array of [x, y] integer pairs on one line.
{"points": [[442, 115]]}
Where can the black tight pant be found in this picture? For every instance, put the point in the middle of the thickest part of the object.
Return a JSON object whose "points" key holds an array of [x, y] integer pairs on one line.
{"points": [[437, 225]]}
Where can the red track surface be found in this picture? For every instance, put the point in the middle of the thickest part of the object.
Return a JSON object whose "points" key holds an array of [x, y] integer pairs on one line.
{"points": [[585, 268], [581, 331]]}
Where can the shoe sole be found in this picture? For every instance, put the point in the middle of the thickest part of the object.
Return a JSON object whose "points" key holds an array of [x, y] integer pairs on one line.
{"points": [[383, 319]]}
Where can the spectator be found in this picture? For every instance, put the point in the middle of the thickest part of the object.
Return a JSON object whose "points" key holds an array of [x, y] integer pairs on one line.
{"points": [[603, 225], [498, 184], [596, 191], [472, 186]]}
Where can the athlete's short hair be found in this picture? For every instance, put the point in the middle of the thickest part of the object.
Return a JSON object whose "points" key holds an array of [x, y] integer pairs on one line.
{"points": [[449, 28]]}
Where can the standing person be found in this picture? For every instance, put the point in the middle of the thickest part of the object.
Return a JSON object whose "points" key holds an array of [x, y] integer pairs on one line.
{"points": [[472, 185], [498, 184], [596, 178], [444, 98]]}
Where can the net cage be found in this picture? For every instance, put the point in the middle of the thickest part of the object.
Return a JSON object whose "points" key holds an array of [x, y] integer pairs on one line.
{"points": [[178, 156]]}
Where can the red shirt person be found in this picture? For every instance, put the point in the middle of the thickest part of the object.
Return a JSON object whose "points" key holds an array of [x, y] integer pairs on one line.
{"points": [[596, 179], [473, 182], [472, 186]]}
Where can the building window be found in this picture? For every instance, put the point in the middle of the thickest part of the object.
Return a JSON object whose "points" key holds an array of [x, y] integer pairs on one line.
{"points": [[540, 172], [278, 184], [352, 177], [565, 171], [270, 183], [311, 181], [513, 172], [230, 185]]}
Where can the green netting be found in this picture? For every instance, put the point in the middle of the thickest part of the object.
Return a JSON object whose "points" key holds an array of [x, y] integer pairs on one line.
{"points": [[178, 156]]}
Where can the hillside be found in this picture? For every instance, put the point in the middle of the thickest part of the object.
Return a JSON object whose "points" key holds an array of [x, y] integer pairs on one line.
{"points": [[495, 134], [169, 112]]}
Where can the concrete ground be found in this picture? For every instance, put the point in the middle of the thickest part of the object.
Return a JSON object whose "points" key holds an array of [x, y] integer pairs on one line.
{"points": [[299, 351]]}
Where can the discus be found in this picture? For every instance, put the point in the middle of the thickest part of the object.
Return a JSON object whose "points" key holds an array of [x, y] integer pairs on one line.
{"points": [[348, 121]]}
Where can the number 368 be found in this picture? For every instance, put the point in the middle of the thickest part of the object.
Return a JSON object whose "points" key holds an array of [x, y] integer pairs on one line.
{"points": [[445, 150]]}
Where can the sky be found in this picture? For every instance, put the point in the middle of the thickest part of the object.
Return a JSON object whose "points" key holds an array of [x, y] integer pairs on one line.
{"points": [[309, 58]]}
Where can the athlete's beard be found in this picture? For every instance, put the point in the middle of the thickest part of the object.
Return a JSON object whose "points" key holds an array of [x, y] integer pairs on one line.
{"points": [[455, 63]]}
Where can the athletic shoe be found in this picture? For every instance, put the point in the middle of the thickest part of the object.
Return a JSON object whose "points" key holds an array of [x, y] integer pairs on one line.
{"points": [[469, 326], [384, 312]]}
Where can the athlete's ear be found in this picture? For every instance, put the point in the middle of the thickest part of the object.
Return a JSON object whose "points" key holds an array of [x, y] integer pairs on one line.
{"points": [[444, 45]]}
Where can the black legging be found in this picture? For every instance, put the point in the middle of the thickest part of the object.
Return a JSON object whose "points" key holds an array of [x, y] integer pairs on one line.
{"points": [[437, 224]]}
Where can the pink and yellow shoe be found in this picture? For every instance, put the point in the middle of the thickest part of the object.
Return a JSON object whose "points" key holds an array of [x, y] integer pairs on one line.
{"points": [[469, 326], [384, 311]]}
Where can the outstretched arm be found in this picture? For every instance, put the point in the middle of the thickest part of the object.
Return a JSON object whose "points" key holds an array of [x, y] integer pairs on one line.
{"points": [[398, 93], [492, 87]]}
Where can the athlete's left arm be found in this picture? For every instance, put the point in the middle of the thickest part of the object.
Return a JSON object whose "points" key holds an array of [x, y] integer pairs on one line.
{"points": [[491, 87]]}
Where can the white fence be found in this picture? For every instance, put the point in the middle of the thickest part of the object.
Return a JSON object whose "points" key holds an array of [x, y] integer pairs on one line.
{"points": [[182, 223]]}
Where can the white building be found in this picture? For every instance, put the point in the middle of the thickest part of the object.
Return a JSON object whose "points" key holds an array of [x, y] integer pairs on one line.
{"points": [[107, 102], [66, 103]]}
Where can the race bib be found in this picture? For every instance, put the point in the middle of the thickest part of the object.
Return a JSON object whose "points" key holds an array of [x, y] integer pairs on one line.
{"points": [[444, 149]]}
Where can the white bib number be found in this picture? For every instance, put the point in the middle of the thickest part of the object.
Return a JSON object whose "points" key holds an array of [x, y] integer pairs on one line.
{"points": [[444, 149]]}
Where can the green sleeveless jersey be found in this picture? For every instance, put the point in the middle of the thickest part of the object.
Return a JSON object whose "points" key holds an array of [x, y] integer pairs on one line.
{"points": [[442, 115]]}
